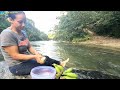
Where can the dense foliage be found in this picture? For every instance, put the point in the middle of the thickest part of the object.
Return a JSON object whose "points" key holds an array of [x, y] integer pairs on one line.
{"points": [[81, 25]]}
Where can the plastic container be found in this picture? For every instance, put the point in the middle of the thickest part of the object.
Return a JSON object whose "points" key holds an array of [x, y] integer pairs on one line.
{"points": [[43, 72]]}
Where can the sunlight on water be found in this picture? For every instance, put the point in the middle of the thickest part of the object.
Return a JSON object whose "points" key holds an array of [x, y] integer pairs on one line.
{"points": [[46, 48]]}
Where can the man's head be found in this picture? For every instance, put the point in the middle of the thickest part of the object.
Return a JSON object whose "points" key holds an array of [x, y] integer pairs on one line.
{"points": [[17, 19]]}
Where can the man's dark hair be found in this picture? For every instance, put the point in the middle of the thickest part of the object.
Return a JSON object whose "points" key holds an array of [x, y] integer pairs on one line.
{"points": [[12, 14]]}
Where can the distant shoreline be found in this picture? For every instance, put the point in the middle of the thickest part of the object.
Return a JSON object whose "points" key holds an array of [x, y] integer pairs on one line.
{"points": [[103, 42]]}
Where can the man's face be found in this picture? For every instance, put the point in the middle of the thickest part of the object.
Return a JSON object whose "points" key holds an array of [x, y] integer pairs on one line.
{"points": [[19, 21]]}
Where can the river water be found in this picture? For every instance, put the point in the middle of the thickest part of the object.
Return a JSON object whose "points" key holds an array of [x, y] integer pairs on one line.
{"points": [[81, 56]]}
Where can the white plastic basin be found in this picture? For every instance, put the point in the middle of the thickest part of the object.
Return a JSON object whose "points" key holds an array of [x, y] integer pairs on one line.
{"points": [[43, 72]]}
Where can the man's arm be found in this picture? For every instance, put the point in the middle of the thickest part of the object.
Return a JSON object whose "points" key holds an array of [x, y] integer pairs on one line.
{"points": [[32, 50], [14, 53]]}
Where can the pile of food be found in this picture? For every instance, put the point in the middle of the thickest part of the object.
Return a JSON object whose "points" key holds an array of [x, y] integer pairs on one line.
{"points": [[61, 73]]}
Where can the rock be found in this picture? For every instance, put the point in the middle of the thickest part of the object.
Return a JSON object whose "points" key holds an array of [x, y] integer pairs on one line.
{"points": [[83, 74], [6, 74], [89, 74]]}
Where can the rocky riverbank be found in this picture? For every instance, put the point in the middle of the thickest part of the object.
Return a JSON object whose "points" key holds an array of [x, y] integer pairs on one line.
{"points": [[83, 74], [5, 73]]}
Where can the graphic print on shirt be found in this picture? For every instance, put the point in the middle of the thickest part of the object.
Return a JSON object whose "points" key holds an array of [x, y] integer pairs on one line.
{"points": [[23, 43], [23, 46]]}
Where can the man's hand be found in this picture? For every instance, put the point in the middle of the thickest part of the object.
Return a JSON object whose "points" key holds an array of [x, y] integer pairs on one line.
{"points": [[39, 59]]}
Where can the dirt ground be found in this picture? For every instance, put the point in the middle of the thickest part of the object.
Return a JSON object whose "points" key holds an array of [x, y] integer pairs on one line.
{"points": [[104, 42]]}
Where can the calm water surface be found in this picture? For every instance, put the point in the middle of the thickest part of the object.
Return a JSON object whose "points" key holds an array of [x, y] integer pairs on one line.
{"points": [[81, 57]]}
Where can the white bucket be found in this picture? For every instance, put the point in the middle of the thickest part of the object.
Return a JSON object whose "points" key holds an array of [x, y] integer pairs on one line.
{"points": [[43, 72]]}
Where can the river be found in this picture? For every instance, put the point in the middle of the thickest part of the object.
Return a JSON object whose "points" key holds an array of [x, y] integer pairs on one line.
{"points": [[81, 56]]}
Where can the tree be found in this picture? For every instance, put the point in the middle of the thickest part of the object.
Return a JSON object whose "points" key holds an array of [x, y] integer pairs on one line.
{"points": [[32, 32], [73, 24]]}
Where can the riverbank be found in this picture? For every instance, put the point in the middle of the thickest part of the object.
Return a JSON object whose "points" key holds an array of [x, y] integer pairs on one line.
{"points": [[103, 42], [82, 74], [5, 73]]}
